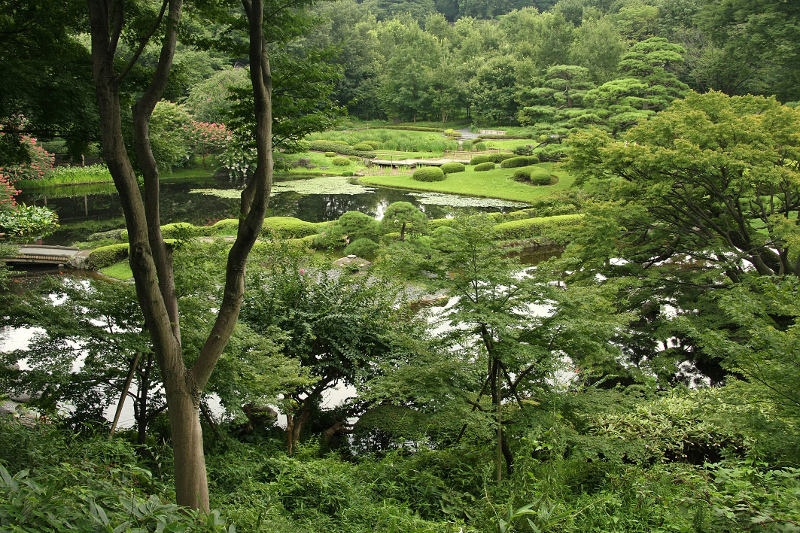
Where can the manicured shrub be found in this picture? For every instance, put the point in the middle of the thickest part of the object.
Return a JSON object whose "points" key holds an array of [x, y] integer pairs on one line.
{"points": [[543, 179], [289, 227], [523, 176], [494, 158], [340, 161], [338, 147], [483, 167], [330, 154], [452, 167], [226, 226], [363, 248], [106, 256], [521, 161], [548, 227], [180, 230], [428, 174], [478, 146], [366, 146]]}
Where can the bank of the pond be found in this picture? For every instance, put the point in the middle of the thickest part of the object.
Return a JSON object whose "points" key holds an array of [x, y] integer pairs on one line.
{"points": [[497, 183]]}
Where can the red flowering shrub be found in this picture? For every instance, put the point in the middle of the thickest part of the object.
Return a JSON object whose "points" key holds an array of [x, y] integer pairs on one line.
{"points": [[208, 138], [41, 162], [7, 193]]}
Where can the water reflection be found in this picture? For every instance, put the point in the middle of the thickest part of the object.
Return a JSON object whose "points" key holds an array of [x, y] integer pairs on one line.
{"points": [[83, 210]]}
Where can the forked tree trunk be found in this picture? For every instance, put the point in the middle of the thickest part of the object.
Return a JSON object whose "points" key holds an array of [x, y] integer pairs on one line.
{"points": [[150, 260]]}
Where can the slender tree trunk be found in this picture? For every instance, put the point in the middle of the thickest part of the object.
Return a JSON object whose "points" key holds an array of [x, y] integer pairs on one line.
{"points": [[149, 257]]}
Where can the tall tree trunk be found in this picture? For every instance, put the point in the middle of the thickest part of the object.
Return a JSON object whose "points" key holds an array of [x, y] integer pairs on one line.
{"points": [[149, 257]]}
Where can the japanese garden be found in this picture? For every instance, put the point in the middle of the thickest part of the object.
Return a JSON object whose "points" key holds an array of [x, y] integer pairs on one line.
{"points": [[400, 265]]}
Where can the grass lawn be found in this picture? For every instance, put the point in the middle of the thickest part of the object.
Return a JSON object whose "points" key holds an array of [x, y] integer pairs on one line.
{"points": [[121, 270], [495, 183]]}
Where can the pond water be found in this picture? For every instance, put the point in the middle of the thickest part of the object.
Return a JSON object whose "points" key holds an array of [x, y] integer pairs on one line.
{"points": [[205, 200]]}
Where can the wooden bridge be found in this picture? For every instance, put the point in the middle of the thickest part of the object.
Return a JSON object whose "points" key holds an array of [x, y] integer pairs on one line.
{"points": [[38, 254], [459, 157]]}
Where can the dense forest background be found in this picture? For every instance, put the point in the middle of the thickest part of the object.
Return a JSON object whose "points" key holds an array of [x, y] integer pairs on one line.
{"points": [[643, 378]]}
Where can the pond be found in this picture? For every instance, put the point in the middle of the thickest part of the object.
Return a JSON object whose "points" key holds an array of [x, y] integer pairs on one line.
{"points": [[86, 209]]}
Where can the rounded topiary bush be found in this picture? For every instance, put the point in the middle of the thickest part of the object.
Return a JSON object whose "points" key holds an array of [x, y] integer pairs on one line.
{"points": [[543, 179], [330, 154], [365, 146], [363, 248], [520, 161], [452, 167], [522, 175], [478, 146], [494, 158], [482, 158], [288, 227], [483, 167], [428, 174], [340, 161], [106, 256]]}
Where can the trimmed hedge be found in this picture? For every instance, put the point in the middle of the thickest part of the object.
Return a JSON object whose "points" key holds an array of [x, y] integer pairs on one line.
{"points": [[519, 161], [452, 167], [494, 158], [289, 227], [106, 256], [226, 226], [366, 146], [522, 175], [340, 161], [483, 167], [429, 174], [338, 147], [529, 228], [543, 179]]}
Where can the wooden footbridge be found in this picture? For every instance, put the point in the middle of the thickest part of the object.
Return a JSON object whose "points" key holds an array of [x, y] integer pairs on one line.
{"points": [[43, 255]]}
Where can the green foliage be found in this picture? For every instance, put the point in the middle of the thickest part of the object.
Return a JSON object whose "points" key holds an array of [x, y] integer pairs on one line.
{"points": [[33, 163], [340, 161], [288, 227], [494, 158], [542, 180], [27, 222], [169, 135], [405, 217], [338, 148], [521, 161], [63, 483], [452, 167], [71, 174], [106, 256], [483, 167], [366, 146], [429, 174], [522, 175], [363, 247]]}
